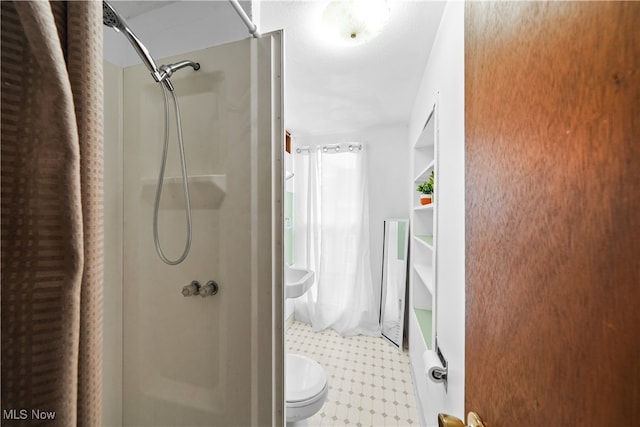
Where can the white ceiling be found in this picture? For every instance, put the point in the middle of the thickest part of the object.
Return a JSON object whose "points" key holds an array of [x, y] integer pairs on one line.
{"points": [[130, 9], [334, 89]]}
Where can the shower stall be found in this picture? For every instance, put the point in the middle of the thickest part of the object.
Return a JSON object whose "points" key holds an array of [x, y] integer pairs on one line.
{"points": [[172, 358]]}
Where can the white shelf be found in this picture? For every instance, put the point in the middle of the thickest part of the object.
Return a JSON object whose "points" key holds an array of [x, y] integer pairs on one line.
{"points": [[424, 174], [425, 273], [205, 191], [426, 138], [428, 207], [425, 241]]}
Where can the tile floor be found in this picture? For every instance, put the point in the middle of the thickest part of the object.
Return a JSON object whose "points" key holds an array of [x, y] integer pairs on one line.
{"points": [[369, 379]]}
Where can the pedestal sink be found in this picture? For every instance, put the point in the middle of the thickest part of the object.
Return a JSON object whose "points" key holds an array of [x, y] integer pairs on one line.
{"points": [[297, 281]]}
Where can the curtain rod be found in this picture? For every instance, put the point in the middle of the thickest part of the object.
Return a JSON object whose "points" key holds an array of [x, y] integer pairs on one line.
{"points": [[253, 28], [325, 148]]}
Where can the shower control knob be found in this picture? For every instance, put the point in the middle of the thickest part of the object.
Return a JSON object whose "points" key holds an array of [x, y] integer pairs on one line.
{"points": [[211, 288], [191, 289]]}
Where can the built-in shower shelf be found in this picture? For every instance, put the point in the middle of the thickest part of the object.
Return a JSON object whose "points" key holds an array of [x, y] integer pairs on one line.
{"points": [[205, 191]]}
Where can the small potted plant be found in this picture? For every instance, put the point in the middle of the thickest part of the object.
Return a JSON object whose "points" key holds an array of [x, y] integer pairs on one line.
{"points": [[426, 190]]}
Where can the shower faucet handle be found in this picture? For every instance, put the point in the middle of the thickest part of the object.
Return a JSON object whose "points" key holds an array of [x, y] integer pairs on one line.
{"points": [[191, 289], [211, 288]]}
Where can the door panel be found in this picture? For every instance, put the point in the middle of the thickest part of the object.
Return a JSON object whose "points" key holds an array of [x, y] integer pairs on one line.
{"points": [[552, 110]]}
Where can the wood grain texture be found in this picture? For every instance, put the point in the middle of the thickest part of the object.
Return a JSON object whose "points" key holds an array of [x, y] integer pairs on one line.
{"points": [[552, 104]]}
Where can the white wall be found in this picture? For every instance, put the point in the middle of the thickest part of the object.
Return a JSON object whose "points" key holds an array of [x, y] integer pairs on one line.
{"points": [[388, 171], [444, 74]]}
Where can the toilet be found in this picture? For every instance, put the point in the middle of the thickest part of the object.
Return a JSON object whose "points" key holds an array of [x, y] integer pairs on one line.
{"points": [[306, 387]]}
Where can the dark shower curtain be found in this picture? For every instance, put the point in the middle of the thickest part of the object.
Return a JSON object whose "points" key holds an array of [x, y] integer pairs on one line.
{"points": [[51, 169]]}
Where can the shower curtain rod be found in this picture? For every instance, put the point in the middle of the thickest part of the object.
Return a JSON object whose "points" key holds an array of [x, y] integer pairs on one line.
{"points": [[326, 148], [253, 28]]}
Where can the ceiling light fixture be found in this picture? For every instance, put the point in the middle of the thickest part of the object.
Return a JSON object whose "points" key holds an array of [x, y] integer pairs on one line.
{"points": [[353, 22]]}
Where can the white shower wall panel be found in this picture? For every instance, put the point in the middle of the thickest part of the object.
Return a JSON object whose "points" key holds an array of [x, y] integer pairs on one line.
{"points": [[193, 360]]}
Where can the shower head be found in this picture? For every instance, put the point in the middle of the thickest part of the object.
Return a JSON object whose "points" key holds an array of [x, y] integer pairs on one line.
{"points": [[112, 19]]}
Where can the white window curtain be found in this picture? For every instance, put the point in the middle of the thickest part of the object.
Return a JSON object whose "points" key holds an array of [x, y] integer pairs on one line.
{"points": [[332, 228]]}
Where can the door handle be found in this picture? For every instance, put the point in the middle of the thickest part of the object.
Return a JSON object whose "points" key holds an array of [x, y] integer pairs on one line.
{"points": [[473, 420]]}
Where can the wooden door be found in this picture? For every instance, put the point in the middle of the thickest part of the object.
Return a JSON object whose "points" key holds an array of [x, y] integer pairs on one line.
{"points": [[552, 104]]}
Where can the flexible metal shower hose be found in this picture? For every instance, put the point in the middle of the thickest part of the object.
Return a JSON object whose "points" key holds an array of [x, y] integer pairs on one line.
{"points": [[185, 183]]}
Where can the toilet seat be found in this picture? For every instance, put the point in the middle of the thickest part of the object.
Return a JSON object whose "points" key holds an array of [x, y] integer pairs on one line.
{"points": [[306, 387], [305, 380]]}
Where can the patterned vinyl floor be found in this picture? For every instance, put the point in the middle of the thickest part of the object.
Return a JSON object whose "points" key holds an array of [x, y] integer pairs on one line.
{"points": [[369, 379]]}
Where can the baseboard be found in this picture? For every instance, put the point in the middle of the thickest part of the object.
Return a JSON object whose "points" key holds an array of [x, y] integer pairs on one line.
{"points": [[288, 322]]}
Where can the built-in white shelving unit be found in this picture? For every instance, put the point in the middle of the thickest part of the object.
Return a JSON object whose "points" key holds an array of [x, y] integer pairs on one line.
{"points": [[423, 255], [423, 286]]}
